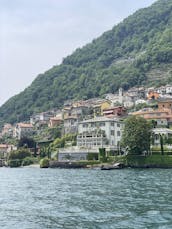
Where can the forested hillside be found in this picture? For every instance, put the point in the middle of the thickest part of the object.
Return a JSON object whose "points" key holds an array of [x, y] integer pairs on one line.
{"points": [[128, 55]]}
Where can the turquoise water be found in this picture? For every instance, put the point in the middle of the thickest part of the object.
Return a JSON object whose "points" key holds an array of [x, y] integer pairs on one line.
{"points": [[32, 198]]}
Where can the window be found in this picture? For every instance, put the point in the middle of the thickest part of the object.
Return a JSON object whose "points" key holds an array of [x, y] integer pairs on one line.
{"points": [[118, 133], [112, 132], [118, 125], [112, 123], [102, 124]]}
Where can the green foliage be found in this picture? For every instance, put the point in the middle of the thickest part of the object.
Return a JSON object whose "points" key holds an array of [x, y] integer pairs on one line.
{"points": [[19, 154], [102, 155], [162, 145], [121, 57], [92, 157], [29, 160], [61, 142], [164, 161], [14, 163], [44, 163], [136, 135]]}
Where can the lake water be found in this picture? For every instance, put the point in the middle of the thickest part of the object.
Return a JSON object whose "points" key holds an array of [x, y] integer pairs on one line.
{"points": [[32, 198]]}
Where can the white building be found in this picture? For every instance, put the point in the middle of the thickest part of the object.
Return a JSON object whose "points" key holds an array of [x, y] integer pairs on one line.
{"points": [[168, 89], [42, 117], [23, 130], [164, 132], [70, 125], [73, 154], [100, 132]]}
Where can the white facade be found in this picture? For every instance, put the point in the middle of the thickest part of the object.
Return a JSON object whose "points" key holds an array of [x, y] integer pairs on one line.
{"points": [[168, 89], [23, 130], [140, 101], [161, 132], [99, 132], [70, 125], [72, 154]]}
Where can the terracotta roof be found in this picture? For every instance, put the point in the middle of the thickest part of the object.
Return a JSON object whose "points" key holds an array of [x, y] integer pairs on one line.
{"points": [[25, 125], [3, 146], [70, 117], [56, 119], [114, 108], [168, 111]]}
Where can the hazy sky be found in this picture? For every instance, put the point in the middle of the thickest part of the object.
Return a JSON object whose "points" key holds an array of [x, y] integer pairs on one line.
{"points": [[37, 34]]}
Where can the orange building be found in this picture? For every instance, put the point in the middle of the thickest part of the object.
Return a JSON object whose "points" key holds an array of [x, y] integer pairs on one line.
{"points": [[162, 116], [116, 111], [55, 121], [153, 95], [165, 104]]}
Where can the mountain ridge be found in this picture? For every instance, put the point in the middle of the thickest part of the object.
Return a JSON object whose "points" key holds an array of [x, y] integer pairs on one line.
{"points": [[121, 57]]}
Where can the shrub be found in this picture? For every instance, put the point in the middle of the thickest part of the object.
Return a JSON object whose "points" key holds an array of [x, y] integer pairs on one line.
{"points": [[92, 156], [102, 155], [15, 163], [28, 161], [44, 163], [19, 154]]}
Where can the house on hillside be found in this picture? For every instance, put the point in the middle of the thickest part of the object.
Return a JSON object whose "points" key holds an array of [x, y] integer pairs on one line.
{"points": [[116, 111], [165, 103], [70, 125], [163, 117], [43, 117], [7, 130], [99, 105], [23, 130], [169, 89], [5, 149], [55, 121], [153, 95]]}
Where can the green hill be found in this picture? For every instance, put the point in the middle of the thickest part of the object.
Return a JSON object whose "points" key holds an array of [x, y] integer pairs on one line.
{"points": [[130, 54]]}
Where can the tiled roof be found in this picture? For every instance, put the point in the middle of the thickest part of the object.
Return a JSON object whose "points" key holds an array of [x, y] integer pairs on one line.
{"points": [[25, 125], [100, 119], [3, 146]]}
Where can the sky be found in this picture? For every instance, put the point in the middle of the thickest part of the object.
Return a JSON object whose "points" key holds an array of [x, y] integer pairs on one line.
{"points": [[37, 34]]}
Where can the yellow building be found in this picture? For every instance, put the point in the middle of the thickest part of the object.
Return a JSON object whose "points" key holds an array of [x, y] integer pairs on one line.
{"points": [[99, 106]]}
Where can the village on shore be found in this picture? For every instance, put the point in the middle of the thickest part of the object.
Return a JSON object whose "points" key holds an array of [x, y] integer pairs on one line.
{"points": [[90, 125]]}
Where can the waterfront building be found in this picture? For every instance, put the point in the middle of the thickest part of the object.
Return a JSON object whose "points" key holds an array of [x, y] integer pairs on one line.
{"points": [[158, 132], [76, 154], [100, 132]]}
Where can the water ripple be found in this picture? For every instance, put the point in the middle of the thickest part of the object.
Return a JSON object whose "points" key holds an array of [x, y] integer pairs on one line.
{"points": [[33, 198]]}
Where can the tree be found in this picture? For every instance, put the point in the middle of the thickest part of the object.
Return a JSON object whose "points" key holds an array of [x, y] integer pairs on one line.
{"points": [[137, 135], [19, 154], [162, 144]]}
